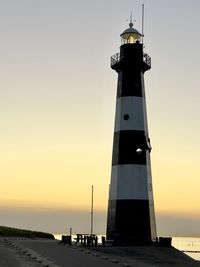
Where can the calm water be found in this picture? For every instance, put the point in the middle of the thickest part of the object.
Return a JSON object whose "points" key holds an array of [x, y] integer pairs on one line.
{"points": [[190, 245]]}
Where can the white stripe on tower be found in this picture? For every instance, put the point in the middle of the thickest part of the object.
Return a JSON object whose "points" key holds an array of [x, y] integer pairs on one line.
{"points": [[127, 110], [129, 182]]}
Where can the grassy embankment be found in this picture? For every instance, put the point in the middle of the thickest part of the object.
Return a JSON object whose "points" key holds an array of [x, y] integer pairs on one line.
{"points": [[14, 232]]}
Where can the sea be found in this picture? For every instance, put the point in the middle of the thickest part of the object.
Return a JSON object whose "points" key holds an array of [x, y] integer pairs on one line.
{"points": [[189, 245]]}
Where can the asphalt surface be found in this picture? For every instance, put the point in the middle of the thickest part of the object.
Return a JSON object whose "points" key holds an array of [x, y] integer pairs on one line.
{"points": [[50, 253], [64, 256], [12, 256]]}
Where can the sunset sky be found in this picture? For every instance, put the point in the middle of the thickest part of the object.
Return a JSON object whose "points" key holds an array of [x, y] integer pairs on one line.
{"points": [[57, 108]]}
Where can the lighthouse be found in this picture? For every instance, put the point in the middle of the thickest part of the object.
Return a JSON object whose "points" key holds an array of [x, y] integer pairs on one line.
{"points": [[131, 215]]}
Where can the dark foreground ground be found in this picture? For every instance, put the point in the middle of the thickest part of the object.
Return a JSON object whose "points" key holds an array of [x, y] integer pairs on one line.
{"points": [[42, 252]]}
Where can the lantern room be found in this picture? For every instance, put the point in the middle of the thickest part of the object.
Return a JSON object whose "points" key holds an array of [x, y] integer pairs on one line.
{"points": [[130, 35]]}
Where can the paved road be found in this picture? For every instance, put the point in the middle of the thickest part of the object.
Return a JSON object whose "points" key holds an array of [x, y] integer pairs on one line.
{"points": [[65, 256], [13, 256], [7, 257], [49, 253]]}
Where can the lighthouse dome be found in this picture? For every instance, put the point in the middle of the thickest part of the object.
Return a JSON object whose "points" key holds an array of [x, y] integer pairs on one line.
{"points": [[130, 35]]}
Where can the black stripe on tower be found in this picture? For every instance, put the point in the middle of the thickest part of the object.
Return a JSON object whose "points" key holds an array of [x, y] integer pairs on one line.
{"points": [[129, 147], [111, 218], [129, 83], [130, 221]]}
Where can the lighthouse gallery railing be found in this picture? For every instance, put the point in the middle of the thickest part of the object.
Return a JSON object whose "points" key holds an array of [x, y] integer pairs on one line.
{"points": [[116, 58]]}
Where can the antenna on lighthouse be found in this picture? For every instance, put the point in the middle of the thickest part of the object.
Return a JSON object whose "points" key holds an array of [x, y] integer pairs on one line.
{"points": [[131, 21], [142, 22], [131, 18]]}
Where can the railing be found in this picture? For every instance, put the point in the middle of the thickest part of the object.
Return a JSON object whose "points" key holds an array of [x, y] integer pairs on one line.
{"points": [[147, 60], [116, 58]]}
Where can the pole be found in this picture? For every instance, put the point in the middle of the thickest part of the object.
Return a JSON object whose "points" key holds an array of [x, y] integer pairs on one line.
{"points": [[142, 22], [92, 213]]}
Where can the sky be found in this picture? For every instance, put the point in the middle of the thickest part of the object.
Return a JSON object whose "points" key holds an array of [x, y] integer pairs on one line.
{"points": [[57, 108]]}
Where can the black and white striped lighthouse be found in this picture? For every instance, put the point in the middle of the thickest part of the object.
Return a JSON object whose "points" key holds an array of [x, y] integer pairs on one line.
{"points": [[131, 216]]}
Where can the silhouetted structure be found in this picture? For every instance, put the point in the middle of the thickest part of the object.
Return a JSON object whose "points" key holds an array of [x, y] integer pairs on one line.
{"points": [[131, 216]]}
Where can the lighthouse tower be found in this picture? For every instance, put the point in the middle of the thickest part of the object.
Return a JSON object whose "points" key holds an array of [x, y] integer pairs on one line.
{"points": [[131, 216]]}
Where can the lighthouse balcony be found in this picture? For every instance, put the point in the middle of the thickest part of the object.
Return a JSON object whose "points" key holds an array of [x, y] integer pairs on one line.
{"points": [[117, 58], [146, 61]]}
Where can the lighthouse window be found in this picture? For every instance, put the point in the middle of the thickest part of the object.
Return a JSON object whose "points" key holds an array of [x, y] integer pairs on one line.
{"points": [[126, 117]]}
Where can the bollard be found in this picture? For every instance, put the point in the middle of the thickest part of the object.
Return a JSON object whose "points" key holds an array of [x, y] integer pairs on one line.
{"points": [[165, 241], [63, 240], [96, 241], [69, 240], [103, 240], [85, 241], [88, 240]]}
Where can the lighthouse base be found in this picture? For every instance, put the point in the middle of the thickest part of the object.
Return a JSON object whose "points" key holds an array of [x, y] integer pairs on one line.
{"points": [[129, 222]]}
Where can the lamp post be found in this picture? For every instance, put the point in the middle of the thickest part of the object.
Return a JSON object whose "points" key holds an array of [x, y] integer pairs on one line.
{"points": [[92, 210]]}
